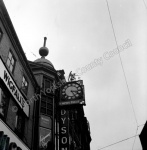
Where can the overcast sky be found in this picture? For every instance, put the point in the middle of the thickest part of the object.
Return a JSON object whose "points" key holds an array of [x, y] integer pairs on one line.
{"points": [[81, 32]]}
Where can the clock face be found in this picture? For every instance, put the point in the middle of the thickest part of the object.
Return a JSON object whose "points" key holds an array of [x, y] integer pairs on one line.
{"points": [[71, 91]]}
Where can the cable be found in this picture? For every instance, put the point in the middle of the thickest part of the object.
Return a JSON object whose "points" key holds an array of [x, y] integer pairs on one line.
{"points": [[135, 139], [124, 140], [117, 142], [122, 64], [145, 4]]}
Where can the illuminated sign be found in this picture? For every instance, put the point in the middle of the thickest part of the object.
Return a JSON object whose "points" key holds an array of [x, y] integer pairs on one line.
{"points": [[64, 129], [14, 90]]}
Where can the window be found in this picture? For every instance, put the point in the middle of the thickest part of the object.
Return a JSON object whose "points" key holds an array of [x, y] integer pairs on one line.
{"points": [[24, 85], [47, 84], [1, 34], [19, 123], [46, 105], [4, 100], [10, 61], [48, 87]]}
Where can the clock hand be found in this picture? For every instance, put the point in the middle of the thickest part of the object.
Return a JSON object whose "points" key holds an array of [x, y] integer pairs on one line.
{"points": [[73, 92]]}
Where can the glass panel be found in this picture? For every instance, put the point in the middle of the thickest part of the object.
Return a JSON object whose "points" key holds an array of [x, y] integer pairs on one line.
{"points": [[22, 84], [0, 34], [23, 80], [8, 62], [0, 95], [4, 100], [10, 55], [26, 84], [49, 106], [11, 68], [49, 100], [43, 110], [19, 123], [49, 112], [47, 84], [12, 61], [43, 104]]}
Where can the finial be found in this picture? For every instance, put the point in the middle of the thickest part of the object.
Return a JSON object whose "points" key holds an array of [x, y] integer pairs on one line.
{"points": [[45, 38], [43, 51]]}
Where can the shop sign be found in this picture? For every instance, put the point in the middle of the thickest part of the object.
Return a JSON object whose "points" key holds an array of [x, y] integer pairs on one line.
{"points": [[64, 130], [9, 139], [81, 101], [45, 137], [45, 121], [12, 87]]}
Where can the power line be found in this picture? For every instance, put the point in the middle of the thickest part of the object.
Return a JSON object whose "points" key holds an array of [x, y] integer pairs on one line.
{"points": [[124, 140], [118, 142], [127, 88], [121, 63], [145, 4], [134, 139]]}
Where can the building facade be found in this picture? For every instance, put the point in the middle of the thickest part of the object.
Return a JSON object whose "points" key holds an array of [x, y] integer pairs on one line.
{"points": [[46, 77], [62, 124], [32, 113], [17, 86]]}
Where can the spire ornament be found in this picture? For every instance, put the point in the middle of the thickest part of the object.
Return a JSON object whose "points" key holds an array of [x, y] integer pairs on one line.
{"points": [[43, 51]]}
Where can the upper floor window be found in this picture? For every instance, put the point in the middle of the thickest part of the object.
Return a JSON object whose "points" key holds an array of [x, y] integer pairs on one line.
{"points": [[19, 123], [1, 34], [24, 85], [47, 83], [11, 61], [4, 101], [48, 86], [46, 105]]}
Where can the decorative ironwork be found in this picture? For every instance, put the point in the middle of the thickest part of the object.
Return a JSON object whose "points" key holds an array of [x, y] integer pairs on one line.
{"points": [[72, 77]]}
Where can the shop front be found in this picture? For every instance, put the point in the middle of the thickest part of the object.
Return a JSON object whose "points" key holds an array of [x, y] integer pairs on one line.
{"points": [[12, 87], [9, 140]]}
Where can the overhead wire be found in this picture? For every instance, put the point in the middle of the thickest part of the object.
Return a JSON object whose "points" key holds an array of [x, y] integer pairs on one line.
{"points": [[126, 85], [118, 142], [125, 140], [134, 139], [121, 62], [145, 4]]}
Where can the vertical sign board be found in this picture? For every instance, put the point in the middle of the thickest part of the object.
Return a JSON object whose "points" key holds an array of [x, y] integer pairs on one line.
{"points": [[64, 130], [45, 131], [45, 121], [45, 137]]}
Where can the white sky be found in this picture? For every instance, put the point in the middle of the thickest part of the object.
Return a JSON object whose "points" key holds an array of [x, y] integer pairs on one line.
{"points": [[80, 31]]}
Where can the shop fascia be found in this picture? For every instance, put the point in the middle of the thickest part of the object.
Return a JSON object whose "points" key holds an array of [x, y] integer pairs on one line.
{"points": [[12, 87]]}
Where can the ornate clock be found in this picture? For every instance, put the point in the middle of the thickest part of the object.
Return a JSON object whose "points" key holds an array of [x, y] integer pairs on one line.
{"points": [[71, 91]]}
